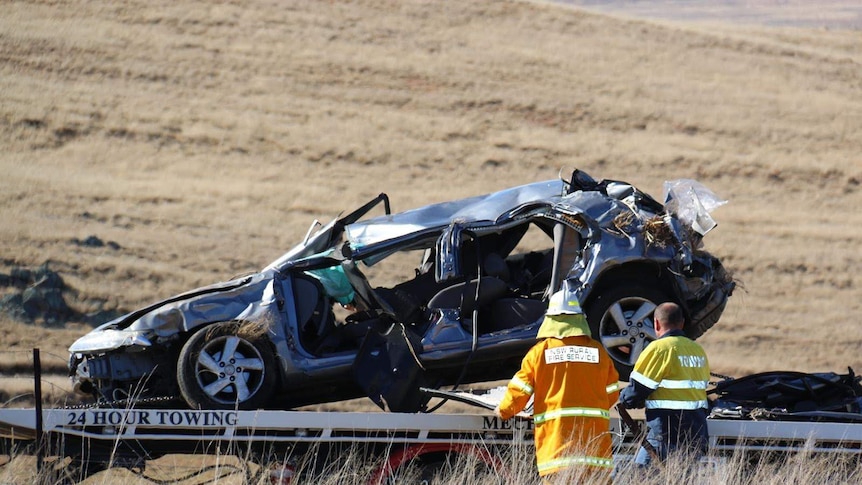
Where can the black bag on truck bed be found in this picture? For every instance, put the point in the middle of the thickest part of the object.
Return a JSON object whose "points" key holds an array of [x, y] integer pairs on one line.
{"points": [[788, 395]]}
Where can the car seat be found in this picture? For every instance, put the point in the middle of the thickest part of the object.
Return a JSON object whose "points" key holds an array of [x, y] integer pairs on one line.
{"points": [[463, 295], [314, 317]]}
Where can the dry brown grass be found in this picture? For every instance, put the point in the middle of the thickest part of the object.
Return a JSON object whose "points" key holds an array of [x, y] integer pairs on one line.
{"points": [[204, 137], [517, 466]]}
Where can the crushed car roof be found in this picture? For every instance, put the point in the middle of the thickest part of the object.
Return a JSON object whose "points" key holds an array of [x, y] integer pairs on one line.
{"points": [[481, 208]]}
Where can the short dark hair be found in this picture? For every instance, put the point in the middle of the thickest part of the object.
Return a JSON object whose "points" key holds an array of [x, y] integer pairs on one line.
{"points": [[670, 314]]}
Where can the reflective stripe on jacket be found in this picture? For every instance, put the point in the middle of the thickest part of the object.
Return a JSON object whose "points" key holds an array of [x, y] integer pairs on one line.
{"points": [[573, 383]]}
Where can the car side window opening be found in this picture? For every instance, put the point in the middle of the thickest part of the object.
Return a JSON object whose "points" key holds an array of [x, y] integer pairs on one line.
{"points": [[509, 285], [520, 265], [337, 305]]}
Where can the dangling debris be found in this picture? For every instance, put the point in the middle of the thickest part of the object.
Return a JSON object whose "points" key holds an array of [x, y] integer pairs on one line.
{"points": [[657, 232]]}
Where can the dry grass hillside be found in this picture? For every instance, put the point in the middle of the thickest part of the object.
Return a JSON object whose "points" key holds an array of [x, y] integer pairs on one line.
{"points": [[198, 140]]}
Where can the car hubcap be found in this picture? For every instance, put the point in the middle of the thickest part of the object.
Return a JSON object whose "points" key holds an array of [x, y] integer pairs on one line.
{"points": [[229, 369], [627, 327]]}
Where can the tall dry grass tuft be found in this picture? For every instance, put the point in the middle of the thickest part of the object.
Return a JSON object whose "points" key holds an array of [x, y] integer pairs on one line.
{"points": [[744, 468]]}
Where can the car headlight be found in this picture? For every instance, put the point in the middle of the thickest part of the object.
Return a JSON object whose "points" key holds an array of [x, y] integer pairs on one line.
{"points": [[109, 339]]}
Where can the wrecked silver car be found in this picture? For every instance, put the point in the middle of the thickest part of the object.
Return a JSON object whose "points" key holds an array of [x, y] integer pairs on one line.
{"points": [[311, 327]]}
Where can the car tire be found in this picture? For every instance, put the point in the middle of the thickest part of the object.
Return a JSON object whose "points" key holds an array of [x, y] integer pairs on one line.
{"points": [[221, 368], [620, 318]]}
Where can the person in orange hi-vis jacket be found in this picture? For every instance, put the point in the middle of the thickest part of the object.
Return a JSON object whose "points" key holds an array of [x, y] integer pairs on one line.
{"points": [[573, 383]]}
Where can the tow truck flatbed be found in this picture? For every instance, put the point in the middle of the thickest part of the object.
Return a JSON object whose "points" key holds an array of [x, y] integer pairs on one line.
{"points": [[129, 437]]}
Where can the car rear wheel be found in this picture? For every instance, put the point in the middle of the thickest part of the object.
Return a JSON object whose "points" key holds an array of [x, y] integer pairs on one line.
{"points": [[221, 368], [621, 318]]}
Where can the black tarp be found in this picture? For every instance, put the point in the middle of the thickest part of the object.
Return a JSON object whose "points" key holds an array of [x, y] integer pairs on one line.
{"points": [[789, 395]]}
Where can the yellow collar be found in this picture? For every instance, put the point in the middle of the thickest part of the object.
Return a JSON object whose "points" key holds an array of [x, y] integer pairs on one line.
{"points": [[566, 325]]}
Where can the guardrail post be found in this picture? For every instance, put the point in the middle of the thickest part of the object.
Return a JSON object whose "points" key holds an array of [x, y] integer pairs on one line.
{"points": [[37, 391]]}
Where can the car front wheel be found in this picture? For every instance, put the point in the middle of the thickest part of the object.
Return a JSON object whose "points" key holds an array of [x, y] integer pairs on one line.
{"points": [[221, 368], [622, 319]]}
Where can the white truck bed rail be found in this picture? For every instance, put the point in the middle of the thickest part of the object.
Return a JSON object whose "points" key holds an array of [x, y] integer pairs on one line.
{"points": [[728, 435], [271, 426]]}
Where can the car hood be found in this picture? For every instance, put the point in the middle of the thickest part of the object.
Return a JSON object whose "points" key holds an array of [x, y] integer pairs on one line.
{"points": [[246, 298]]}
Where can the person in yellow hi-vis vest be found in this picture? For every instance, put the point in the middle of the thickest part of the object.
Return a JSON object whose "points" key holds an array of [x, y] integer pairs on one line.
{"points": [[670, 379], [573, 383]]}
